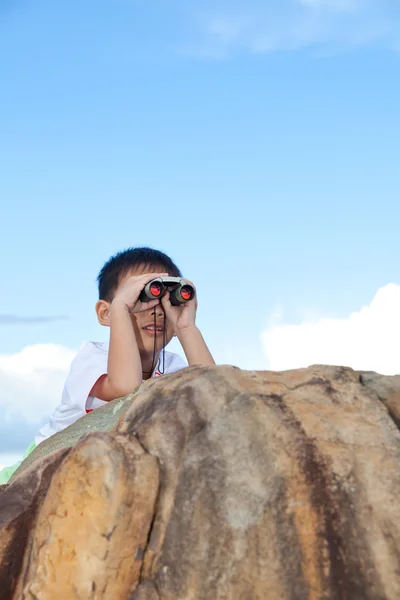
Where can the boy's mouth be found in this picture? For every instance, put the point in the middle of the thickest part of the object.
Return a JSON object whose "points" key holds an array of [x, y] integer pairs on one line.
{"points": [[153, 330]]}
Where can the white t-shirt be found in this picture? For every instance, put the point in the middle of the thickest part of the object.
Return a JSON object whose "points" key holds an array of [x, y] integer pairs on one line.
{"points": [[87, 367]]}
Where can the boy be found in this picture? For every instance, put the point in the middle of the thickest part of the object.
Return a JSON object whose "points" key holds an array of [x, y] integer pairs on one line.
{"points": [[101, 372]]}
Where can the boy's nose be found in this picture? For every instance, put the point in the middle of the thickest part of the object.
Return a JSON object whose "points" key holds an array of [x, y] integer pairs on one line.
{"points": [[158, 310]]}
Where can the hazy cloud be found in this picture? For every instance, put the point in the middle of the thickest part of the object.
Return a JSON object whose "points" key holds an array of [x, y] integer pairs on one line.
{"points": [[18, 320], [259, 27], [16, 434]]}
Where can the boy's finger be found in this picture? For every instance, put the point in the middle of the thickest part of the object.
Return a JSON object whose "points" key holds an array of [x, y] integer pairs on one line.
{"points": [[151, 303], [165, 300], [150, 276]]}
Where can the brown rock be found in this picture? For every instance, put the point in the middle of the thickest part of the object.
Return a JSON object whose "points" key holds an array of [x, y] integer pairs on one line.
{"points": [[388, 391], [92, 528], [275, 485], [18, 508], [220, 484]]}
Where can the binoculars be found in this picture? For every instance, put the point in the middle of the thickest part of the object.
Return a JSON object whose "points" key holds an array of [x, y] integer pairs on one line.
{"points": [[180, 292]]}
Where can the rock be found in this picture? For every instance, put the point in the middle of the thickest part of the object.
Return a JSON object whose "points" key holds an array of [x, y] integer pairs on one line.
{"points": [[18, 507], [92, 528], [217, 484], [388, 391]]}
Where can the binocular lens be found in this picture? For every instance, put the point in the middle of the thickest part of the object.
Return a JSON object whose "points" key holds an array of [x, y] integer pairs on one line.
{"points": [[155, 289], [186, 293]]}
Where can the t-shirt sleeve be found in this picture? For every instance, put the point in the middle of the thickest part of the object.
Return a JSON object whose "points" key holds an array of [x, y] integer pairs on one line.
{"points": [[87, 367]]}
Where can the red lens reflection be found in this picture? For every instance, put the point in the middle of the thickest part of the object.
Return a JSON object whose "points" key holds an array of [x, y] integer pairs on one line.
{"points": [[186, 293], [155, 289]]}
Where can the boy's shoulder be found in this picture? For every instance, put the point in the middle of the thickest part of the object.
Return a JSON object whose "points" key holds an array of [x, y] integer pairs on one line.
{"points": [[92, 348]]}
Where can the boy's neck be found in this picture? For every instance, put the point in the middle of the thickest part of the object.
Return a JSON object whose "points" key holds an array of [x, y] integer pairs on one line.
{"points": [[148, 361]]}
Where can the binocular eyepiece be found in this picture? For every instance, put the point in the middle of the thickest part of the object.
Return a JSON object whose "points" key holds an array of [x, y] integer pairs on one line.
{"points": [[180, 292]]}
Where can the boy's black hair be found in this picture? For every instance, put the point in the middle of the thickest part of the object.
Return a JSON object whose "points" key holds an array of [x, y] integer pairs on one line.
{"points": [[120, 264]]}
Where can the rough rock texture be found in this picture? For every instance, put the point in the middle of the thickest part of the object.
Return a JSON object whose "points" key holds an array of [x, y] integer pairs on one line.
{"points": [[215, 484], [93, 522], [18, 507]]}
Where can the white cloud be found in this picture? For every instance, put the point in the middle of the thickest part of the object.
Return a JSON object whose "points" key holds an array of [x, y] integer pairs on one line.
{"points": [[368, 339], [259, 27], [31, 381]]}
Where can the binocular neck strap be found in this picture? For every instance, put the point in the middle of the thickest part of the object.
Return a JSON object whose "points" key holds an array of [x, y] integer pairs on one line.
{"points": [[154, 361]]}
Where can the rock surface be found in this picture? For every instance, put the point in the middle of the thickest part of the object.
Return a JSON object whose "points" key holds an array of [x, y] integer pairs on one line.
{"points": [[215, 484]]}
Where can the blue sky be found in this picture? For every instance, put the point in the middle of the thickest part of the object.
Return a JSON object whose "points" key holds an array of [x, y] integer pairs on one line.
{"points": [[257, 145]]}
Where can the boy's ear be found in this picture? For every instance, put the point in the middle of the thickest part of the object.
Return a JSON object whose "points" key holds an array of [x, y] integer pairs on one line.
{"points": [[103, 312]]}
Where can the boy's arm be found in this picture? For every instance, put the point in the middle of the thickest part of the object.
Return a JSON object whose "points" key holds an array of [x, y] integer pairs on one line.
{"points": [[124, 370], [194, 346], [183, 320]]}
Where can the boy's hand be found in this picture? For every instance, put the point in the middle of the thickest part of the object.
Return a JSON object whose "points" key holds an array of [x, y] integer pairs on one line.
{"points": [[180, 317], [128, 294]]}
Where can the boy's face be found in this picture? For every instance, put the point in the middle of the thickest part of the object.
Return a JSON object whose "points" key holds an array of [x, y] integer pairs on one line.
{"points": [[143, 322]]}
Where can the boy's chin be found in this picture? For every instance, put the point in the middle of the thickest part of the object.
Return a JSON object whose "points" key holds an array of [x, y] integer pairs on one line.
{"points": [[147, 350], [147, 344]]}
